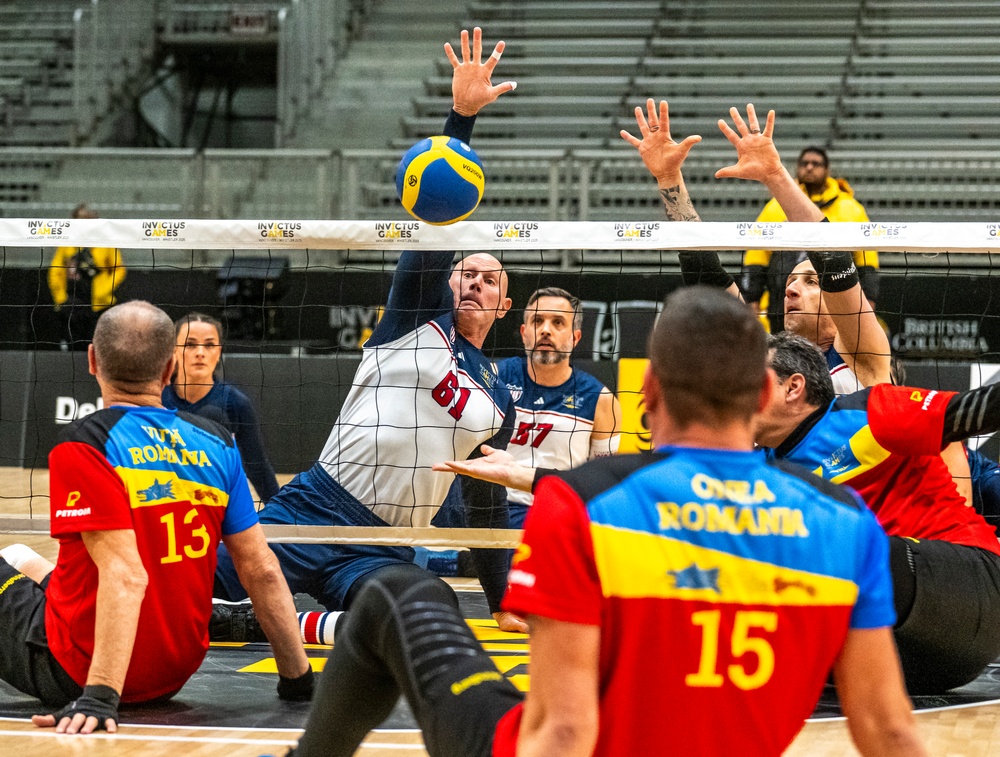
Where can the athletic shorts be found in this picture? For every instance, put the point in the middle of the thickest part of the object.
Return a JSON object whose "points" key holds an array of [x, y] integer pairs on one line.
{"points": [[26, 662], [953, 630], [325, 572]]}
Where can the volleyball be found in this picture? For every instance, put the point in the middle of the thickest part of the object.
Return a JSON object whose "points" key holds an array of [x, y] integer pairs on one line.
{"points": [[440, 180]]}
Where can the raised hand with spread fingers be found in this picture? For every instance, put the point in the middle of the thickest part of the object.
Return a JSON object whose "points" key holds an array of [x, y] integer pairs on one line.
{"points": [[471, 85], [663, 157]]}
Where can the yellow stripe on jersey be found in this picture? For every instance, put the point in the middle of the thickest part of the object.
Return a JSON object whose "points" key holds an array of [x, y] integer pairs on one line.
{"points": [[149, 488], [632, 564], [868, 453]]}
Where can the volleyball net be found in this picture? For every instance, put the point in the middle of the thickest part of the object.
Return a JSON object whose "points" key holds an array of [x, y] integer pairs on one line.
{"points": [[298, 299]]}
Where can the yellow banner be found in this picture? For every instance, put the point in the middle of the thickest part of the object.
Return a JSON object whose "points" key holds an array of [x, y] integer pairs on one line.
{"points": [[635, 431]]}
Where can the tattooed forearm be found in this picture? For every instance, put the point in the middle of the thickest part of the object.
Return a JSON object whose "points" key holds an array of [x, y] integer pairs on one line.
{"points": [[677, 204]]}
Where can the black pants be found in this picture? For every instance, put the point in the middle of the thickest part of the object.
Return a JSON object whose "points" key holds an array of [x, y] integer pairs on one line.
{"points": [[26, 662], [405, 634], [948, 603]]}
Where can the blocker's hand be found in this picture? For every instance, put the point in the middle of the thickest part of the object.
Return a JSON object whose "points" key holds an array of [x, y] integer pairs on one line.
{"points": [[510, 623], [471, 85], [496, 466], [659, 152], [94, 709], [757, 158]]}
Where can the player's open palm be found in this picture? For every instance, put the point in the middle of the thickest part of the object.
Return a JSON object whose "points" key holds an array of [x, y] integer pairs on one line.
{"points": [[757, 157], [471, 83], [661, 155]]}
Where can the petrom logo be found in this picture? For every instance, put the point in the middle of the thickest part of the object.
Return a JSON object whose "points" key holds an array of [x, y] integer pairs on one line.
{"points": [[162, 229], [278, 229], [516, 230], [47, 228], [642, 230]]}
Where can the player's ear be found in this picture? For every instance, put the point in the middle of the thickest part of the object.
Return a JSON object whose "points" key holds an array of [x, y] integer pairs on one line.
{"points": [[91, 359], [505, 305], [577, 336], [168, 370], [652, 391], [767, 390], [795, 388]]}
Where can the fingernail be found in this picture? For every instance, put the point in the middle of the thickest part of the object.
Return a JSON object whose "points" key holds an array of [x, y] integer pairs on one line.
{"points": [[513, 85]]}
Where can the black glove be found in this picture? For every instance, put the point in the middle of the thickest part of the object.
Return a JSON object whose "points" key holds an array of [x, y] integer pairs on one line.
{"points": [[837, 272], [296, 689], [703, 267], [100, 702]]}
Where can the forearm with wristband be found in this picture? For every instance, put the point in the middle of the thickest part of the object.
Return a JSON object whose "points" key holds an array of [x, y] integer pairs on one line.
{"points": [[297, 689]]}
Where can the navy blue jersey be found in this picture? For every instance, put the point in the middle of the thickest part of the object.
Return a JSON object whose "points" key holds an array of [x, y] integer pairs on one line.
{"points": [[227, 405], [554, 423]]}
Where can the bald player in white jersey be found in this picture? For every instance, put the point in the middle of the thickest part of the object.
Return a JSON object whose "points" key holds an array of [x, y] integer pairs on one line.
{"points": [[424, 392]]}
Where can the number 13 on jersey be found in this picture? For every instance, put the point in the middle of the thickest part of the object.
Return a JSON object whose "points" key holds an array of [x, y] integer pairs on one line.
{"points": [[747, 638]]}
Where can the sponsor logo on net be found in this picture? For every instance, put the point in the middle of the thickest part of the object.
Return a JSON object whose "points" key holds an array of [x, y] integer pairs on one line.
{"points": [[993, 231], [46, 229], [515, 231], [630, 232], [278, 231], [397, 231], [883, 230], [161, 230], [757, 230]]}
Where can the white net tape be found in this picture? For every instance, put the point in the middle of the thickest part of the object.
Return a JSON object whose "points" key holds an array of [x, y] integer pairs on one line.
{"points": [[498, 236]]}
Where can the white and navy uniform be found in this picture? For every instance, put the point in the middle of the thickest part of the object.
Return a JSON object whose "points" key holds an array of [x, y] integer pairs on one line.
{"points": [[554, 424], [844, 379], [423, 394]]}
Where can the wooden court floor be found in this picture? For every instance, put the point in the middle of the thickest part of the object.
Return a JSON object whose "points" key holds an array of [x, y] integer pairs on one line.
{"points": [[962, 731]]}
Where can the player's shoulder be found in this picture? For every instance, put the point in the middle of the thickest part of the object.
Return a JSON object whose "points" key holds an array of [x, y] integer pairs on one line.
{"points": [[853, 401], [601, 474], [588, 382], [94, 429], [806, 480], [511, 368]]}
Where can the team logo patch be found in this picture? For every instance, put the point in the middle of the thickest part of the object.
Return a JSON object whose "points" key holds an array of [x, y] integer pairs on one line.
{"points": [[157, 491], [488, 378], [202, 494], [570, 402], [693, 577]]}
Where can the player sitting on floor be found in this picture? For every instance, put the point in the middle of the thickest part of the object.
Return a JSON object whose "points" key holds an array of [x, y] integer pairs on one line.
{"points": [[884, 441], [424, 392], [141, 496], [647, 626]]}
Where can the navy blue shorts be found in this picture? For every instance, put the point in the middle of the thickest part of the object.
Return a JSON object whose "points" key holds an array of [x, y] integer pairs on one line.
{"points": [[325, 572]]}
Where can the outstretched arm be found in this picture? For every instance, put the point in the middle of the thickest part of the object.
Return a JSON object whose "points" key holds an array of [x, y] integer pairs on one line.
{"points": [[663, 157]]}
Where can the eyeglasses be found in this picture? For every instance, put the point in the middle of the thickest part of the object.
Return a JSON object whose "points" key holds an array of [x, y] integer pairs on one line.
{"points": [[808, 163]]}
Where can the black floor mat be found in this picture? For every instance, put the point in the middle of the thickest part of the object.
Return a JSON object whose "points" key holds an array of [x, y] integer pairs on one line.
{"points": [[223, 693]]}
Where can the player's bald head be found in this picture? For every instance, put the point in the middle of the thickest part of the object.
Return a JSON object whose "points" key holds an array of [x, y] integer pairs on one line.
{"points": [[708, 352], [484, 262], [133, 342]]}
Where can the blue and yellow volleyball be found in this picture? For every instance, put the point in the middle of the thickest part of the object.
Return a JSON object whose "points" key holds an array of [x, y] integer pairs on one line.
{"points": [[440, 180]]}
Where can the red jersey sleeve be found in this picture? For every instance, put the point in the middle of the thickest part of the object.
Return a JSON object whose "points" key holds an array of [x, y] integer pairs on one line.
{"points": [[553, 573], [86, 492], [907, 421]]}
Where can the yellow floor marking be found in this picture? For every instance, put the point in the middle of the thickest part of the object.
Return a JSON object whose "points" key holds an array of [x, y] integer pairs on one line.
{"points": [[509, 662]]}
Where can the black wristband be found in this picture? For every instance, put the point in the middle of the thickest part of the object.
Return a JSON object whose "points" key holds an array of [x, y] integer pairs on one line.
{"points": [[540, 473], [836, 270], [296, 689], [704, 267], [96, 701]]}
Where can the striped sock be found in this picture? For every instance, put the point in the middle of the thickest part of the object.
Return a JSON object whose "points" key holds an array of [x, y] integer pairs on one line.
{"points": [[317, 627]]}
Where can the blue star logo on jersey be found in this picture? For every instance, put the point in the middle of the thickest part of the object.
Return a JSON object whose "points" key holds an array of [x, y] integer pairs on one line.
{"points": [[693, 577], [157, 491]]}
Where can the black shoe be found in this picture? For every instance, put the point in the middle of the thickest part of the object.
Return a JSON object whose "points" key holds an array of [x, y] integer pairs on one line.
{"points": [[235, 623]]}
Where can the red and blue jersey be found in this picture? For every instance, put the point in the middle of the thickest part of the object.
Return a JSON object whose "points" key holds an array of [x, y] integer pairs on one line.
{"points": [[724, 587], [885, 442], [177, 481]]}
